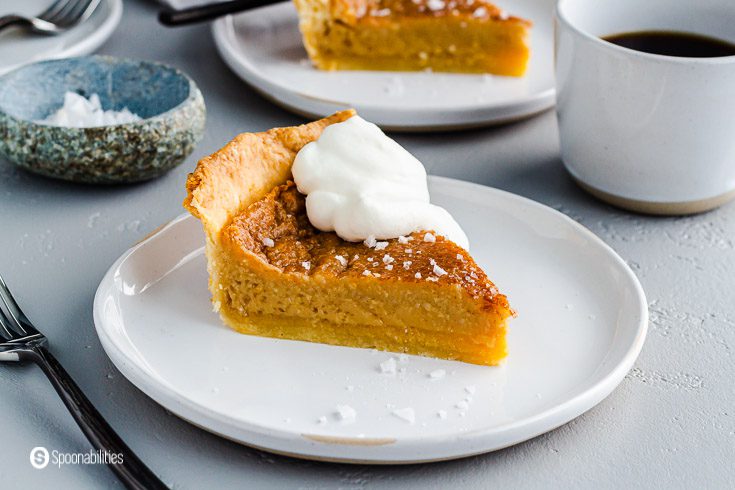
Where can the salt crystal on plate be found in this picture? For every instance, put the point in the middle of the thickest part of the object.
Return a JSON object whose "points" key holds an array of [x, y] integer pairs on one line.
{"points": [[346, 413], [394, 87], [388, 367], [406, 414], [437, 374]]}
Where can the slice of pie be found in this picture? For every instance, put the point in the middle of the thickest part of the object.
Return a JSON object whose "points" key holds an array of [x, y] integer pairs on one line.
{"points": [[273, 274], [466, 36]]}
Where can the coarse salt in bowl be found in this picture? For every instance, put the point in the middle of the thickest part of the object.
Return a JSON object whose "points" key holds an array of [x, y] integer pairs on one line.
{"points": [[169, 109], [80, 112]]}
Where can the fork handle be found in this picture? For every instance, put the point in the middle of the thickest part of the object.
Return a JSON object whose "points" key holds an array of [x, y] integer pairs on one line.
{"points": [[132, 472], [11, 20], [171, 17]]}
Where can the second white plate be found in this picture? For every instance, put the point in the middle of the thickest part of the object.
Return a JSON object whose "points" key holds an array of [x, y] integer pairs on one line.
{"points": [[582, 319], [19, 47], [264, 48]]}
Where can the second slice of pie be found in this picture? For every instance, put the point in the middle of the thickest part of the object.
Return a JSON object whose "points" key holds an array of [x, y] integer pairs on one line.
{"points": [[466, 36]]}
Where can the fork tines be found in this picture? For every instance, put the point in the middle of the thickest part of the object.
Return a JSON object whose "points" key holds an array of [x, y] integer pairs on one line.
{"points": [[14, 324], [68, 12]]}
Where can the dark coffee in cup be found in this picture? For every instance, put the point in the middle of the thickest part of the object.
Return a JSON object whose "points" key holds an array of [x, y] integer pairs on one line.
{"points": [[673, 43]]}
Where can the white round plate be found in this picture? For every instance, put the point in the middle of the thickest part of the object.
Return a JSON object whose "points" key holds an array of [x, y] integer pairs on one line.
{"points": [[264, 48], [582, 319], [19, 47]]}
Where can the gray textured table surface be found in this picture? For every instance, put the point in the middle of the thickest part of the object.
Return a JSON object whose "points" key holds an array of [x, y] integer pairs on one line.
{"points": [[671, 424]]}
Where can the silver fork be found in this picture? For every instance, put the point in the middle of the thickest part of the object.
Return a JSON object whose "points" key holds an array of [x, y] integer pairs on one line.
{"points": [[20, 341], [61, 16]]}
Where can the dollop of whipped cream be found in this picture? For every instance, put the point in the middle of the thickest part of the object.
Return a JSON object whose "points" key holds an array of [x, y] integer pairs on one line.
{"points": [[361, 184]]}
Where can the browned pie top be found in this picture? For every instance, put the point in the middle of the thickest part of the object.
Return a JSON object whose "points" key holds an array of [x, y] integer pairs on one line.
{"points": [[353, 10], [277, 229]]}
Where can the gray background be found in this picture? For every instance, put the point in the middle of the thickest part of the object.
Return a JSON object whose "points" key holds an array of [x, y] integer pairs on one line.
{"points": [[671, 423]]}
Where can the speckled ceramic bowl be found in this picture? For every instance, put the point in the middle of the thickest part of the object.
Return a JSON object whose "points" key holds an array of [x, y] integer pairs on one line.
{"points": [[169, 102]]}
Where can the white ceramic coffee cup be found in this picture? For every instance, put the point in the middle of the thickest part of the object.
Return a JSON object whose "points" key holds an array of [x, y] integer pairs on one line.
{"points": [[646, 132]]}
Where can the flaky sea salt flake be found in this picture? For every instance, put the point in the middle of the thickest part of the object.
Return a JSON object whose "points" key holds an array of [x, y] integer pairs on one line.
{"points": [[346, 413], [439, 271], [406, 414], [388, 366], [435, 5]]}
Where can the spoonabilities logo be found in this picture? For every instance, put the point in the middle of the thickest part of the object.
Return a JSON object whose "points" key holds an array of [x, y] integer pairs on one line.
{"points": [[39, 457]]}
